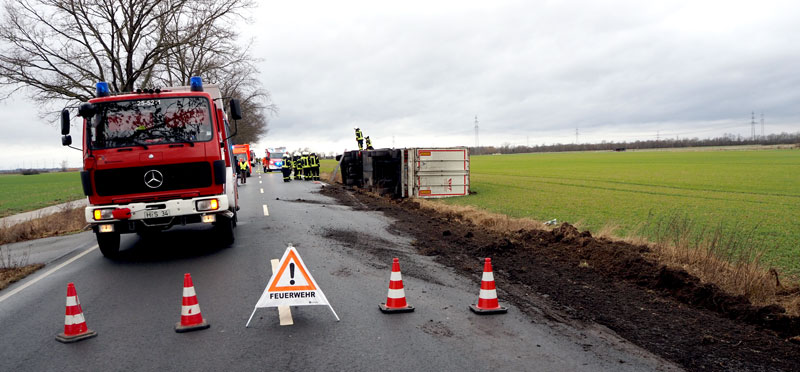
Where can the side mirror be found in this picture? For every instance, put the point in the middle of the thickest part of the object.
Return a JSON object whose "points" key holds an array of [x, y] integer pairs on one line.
{"points": [[66, 140], [236, 110], [86, 110], [64, 122]]}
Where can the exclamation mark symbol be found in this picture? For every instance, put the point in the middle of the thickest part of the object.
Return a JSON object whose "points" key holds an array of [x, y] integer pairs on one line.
{"points": [[291, 272]]}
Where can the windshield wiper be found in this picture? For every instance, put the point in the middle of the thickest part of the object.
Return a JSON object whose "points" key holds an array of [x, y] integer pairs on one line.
{"points": [[137, 143]]}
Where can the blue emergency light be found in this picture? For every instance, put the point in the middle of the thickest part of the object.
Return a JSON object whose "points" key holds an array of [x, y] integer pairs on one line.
{"points": [[278, 163], [102, 89], [196, 83]]}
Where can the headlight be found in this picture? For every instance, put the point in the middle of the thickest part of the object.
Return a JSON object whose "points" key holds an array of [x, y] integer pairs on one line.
{"points": [[207, 205], [103, 214]]}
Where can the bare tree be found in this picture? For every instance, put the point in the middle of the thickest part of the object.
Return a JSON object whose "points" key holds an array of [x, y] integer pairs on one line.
{"points": [[58, 49], [216, 57]]}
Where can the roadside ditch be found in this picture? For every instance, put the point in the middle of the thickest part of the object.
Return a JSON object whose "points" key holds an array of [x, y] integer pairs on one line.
{"points": [[576, 277]]}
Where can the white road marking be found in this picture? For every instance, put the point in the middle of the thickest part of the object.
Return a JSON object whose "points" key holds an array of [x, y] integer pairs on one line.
{"points": [[32, 282], [284, 311], [262, 191], [259, 181], [266, 210]]}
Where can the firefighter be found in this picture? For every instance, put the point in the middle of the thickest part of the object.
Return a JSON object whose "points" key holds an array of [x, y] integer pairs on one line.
{"points": [[312, 165], [286, 168], [316, 167], [369, 144], [265, 163], [297, 166], [306, 166], [243, 170], [359, 138]]}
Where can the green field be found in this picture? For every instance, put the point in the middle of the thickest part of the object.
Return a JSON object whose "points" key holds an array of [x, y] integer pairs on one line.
{"points": [[744, 190], [20, 193], [327, 165]]}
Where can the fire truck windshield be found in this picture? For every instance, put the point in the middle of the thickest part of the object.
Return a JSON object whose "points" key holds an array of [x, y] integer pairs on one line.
{"points": [[151, 122]]}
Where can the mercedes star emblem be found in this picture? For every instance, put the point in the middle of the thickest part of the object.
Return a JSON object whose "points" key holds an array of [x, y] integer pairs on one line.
{"points": [[153, 179]]}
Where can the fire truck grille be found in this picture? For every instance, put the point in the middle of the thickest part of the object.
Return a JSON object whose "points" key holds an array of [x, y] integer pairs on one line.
{"points": [[123, 181]]}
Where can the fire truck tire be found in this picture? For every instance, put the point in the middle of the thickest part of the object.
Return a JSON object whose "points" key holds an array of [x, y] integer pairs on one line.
{"points": [[224, 227], [108, 243]]}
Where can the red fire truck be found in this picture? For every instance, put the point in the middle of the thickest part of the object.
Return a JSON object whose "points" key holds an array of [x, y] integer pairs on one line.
{"points": [[154, 159]]}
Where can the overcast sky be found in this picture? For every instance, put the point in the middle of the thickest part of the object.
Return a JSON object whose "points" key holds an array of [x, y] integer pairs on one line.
{"points": [[416, 73]]}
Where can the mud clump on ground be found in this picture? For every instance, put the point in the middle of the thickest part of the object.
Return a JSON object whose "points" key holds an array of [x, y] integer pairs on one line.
{"points": [[666, 311]]}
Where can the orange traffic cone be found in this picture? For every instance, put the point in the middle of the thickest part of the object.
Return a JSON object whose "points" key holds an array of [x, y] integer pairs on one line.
{"points": [[487, 299], [396, 299], [191, 319], [75, 328]]}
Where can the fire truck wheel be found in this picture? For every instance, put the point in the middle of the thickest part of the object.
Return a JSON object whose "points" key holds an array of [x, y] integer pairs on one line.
{"points": [[109, 244], [224, 227]]}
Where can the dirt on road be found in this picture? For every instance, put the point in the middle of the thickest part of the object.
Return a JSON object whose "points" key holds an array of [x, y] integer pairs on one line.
{"points": [[574, 277]]}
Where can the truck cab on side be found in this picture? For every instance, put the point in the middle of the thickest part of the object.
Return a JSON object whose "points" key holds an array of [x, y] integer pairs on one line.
{"points": [[155, 159]]}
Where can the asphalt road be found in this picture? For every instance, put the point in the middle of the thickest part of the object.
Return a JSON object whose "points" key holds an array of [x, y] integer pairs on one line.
{"points": [[133, 303]]}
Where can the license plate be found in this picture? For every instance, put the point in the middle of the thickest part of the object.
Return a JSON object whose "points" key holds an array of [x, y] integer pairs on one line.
{"points": [[156, 213]]}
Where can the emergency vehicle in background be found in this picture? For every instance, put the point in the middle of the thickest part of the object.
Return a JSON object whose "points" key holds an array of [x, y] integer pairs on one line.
{"points": [[154, 159], [243, 151], [275, 162], [275, 159]]}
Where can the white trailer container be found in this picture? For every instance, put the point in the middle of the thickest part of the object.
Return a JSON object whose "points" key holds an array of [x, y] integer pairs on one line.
{"points": [[435, 172]]}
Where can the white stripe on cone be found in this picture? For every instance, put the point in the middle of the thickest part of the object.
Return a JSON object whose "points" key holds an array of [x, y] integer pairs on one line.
{"points": [[488, 294], [396, 293], [188, 291], [74, 319], [396, 276], [190, 310], [488, 277], [72, 301]]}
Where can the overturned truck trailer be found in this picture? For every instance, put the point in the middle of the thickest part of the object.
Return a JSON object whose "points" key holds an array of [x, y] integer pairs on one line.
{"points": [[415, 172]]}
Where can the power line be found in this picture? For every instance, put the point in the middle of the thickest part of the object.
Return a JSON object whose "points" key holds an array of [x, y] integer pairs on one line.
{"points": [[477, 143]]}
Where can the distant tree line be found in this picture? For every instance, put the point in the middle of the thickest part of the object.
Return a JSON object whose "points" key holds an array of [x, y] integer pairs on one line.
{"points": [[724, 140]]}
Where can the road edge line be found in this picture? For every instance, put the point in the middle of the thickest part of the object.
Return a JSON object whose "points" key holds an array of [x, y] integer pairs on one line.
{"points": [[46, 274]]}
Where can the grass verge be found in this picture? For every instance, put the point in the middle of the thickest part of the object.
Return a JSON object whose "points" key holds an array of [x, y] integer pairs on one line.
{"points": [[12, 267], [66, 221], [15, 274]]}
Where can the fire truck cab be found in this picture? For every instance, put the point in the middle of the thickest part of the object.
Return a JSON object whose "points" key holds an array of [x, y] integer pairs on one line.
{"points": [[155, 159]]}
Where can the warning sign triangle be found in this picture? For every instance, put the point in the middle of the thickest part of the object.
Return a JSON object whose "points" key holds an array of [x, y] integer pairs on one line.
{"points": [[292, 275], [292, 285]]}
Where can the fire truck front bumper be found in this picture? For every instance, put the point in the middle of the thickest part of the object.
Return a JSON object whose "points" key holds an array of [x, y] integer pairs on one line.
{"points": [[132, 217]]}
